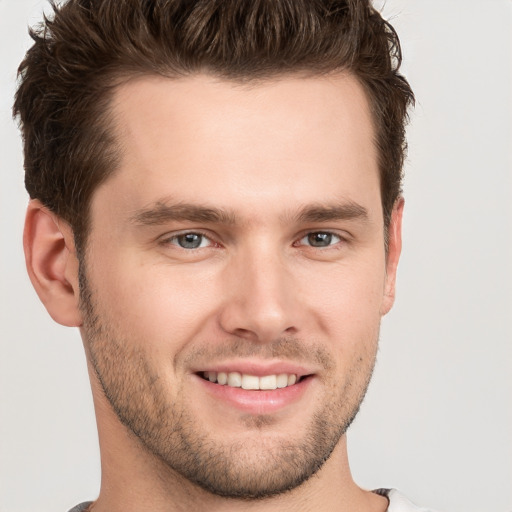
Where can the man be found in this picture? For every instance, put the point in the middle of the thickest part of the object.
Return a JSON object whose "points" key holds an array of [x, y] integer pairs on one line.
{"points": [[216, 204]]}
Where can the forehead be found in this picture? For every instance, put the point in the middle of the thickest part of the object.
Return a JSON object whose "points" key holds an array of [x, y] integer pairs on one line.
{"points": [[206, 139]]}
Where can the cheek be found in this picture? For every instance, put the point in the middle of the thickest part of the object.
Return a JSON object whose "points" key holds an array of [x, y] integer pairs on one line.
{"points": [[152, 303], [347, 302], [352, 289]]}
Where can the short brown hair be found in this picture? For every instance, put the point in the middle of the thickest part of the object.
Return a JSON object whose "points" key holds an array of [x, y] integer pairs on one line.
{"points": [[87, 47]]}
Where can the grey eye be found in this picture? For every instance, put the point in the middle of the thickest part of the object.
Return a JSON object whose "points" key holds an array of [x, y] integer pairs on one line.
{"points": [[190, 240], [319, 239]]}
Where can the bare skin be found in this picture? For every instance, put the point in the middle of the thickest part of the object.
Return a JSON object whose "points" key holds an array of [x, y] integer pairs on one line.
{"points": [[243, 232]]}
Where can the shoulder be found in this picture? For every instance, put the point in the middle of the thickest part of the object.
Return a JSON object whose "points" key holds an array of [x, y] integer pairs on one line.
{"points": [[82, 507], [399, 503]]}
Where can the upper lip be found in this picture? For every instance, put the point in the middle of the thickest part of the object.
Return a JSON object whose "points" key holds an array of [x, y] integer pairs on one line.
{"points": [[256, 368]]}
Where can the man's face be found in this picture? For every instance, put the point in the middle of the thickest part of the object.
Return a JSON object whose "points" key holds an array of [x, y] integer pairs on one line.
{"points": [[241, 243]]}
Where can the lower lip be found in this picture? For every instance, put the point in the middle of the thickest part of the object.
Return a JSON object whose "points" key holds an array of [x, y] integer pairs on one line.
{"points": [[257, 401]]}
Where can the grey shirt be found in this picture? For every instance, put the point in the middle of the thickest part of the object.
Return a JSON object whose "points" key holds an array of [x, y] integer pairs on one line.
{"points": [[397, 503]]}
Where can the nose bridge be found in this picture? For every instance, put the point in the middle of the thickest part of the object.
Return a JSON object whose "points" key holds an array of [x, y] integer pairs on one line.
{"points": [[260, 300]]}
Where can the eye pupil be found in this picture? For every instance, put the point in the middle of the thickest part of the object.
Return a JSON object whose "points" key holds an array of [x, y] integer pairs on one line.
{"points": [[320, 239], [190, 240]]}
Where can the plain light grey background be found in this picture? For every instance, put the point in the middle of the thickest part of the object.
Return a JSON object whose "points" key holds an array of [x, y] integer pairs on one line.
{"points": [[437, 422]]}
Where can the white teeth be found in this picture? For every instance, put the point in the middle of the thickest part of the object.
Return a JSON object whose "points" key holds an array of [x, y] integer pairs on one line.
{"points": [[268, 382], [252, 382], [282, 380], [235, 379]]}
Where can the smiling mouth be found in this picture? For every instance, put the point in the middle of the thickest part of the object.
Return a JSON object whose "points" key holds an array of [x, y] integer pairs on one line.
{"points": [[252, 382]]}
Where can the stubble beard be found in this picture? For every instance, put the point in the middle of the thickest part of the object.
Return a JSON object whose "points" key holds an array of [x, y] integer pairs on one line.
{"points": [[166, 429]]}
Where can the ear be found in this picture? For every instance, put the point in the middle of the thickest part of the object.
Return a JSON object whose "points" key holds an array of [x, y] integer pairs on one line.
{"points": [[52, 264], [393, 254]]}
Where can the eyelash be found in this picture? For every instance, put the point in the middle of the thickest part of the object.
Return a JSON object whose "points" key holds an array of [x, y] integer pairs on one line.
{"points": [[172, 240], [328, 233]]}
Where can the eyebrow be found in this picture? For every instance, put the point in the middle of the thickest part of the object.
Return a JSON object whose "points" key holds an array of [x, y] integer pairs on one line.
{"points": [[161, 212], [332, 212]]}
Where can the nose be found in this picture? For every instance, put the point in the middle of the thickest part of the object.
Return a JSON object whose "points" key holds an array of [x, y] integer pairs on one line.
{"points": [[261, 302]]}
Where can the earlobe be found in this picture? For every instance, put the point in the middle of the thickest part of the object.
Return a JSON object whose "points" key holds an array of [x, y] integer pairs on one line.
{"points": [[52, 264], [393, 254]]}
